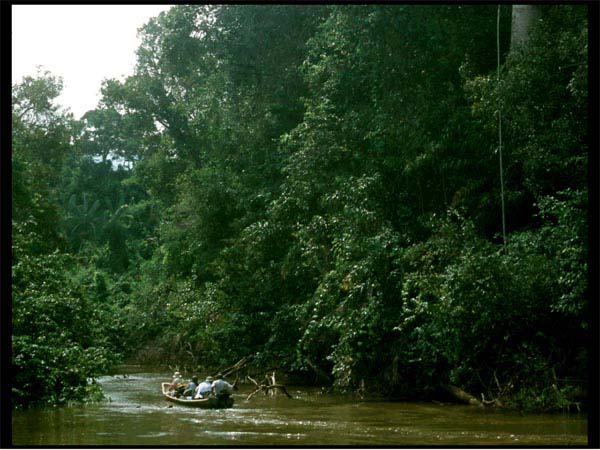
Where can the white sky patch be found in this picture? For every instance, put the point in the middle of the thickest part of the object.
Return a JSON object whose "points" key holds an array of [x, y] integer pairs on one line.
{"points": [[84, 44]]}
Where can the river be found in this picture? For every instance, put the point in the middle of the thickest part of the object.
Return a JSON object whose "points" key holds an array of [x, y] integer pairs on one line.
{"points": [[138, 415]]}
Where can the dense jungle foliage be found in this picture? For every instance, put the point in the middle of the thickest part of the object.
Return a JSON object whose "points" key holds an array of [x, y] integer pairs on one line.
{"points": [[317, 186]]}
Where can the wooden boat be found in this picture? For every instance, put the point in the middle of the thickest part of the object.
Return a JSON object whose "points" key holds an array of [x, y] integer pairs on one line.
{"points": [[223, 401]]}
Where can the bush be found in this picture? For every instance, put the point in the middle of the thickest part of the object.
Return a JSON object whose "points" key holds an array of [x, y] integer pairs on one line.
{"points": [[58, 342], [493, 320]]}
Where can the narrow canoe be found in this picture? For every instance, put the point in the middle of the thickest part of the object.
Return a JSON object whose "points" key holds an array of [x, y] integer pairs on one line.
{"points": [[224, 401]]}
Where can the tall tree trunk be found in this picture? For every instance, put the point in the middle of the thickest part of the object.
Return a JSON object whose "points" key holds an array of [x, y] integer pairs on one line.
{"points": [[523, 20]]}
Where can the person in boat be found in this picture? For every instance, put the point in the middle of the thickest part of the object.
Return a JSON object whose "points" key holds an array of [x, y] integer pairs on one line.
{"points": [[176, 385], [191, 387], [221, 387], [204, 389]]}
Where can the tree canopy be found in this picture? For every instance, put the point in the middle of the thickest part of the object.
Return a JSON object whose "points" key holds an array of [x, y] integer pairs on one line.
{"points": [[317, 186]]}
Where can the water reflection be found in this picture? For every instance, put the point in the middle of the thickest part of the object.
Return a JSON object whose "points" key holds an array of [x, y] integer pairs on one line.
{"points": [[137, 415]]}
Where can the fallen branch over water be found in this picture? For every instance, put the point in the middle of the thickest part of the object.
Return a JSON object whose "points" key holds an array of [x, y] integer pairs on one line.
{"points": [[270, 386], [238, 365], [463, 396]]}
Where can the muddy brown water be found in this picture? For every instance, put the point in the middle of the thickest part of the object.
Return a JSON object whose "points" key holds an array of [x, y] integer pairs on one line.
{"points": [[138, 415]]}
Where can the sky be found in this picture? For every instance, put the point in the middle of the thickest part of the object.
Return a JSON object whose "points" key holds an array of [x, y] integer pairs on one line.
{"points": [[83, 44]]}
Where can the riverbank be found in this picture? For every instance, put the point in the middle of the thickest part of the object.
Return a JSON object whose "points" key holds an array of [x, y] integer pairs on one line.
{"points": [[570, 400]]}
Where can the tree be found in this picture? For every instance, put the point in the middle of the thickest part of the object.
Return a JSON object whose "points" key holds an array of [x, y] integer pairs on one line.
{"points": [[116, 223], [40, 144], [82, 220], [524, 17], [318, 187], [54, 350]]}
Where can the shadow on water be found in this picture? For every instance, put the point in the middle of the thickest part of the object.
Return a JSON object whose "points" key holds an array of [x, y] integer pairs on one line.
{"points": [[137, 415]]}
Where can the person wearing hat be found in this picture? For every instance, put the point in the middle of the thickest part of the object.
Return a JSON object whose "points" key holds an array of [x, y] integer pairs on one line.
{"points": [[176, 383], [204, 389], [220, 386]]}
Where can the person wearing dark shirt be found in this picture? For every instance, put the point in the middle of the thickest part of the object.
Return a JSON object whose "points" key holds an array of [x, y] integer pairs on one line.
{"points": [[191, 387]]}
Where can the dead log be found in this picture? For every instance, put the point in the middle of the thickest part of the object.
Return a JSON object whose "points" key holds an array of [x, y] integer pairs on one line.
{"points": [[492, 402], [266, 389], [281, 387], [262, 372], [270, 386], [238, 365], [463, 396], [253, 380]]}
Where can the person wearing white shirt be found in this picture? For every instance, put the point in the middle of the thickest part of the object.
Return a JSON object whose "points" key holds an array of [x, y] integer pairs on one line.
{"points": [[204, 389], [220, 386], [176, 383]]}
